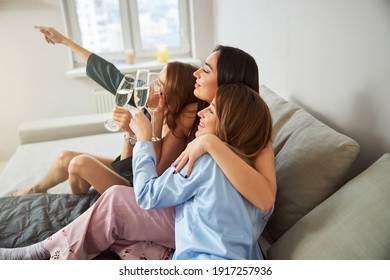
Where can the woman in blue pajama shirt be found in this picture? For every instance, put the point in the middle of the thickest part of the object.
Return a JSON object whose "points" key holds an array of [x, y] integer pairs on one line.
{"points": [[213, 221]]}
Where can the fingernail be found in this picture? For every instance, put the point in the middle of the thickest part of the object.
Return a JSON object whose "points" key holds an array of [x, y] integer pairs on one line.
{"points": [[186, 177]]}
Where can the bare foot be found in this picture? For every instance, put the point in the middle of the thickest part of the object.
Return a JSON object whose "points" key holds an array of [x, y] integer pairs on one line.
{"points": [[27, 191]]}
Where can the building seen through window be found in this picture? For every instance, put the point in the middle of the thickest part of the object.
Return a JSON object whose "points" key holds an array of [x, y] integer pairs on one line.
{"points": [[109, 27]]}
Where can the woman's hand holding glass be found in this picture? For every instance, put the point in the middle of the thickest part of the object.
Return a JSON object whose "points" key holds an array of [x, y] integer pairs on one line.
{"points": [[141, 126], [122, 97], [122, 117], [147, 94]]}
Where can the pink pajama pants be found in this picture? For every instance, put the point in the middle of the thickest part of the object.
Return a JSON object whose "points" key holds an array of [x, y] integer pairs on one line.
{"points": [[115, 221]]}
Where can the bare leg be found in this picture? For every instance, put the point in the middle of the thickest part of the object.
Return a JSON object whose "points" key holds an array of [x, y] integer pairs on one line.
{"points": [[86, 171], [58, 173]]}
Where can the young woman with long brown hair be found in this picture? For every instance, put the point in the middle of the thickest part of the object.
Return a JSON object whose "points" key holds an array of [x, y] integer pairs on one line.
{"points": [[213, 221]]}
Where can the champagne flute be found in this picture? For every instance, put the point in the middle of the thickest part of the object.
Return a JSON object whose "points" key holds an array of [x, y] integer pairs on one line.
{"points": [[153, 99], [122, 97], [141, 92], [141, 88]]}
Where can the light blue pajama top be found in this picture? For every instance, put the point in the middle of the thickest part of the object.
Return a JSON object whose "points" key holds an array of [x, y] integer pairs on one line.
{"points": [[213, 221]]}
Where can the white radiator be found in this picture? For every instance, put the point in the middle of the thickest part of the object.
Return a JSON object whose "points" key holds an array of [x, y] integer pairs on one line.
{"points": [[103, 101]]}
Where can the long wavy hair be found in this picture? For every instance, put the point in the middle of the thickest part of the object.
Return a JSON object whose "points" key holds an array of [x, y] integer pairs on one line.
{"points": [[179, 84], [244, 120]]}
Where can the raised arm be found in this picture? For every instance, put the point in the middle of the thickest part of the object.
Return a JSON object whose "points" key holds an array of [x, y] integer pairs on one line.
{"points": [[257, 185], [52, 36], [98, 69]]}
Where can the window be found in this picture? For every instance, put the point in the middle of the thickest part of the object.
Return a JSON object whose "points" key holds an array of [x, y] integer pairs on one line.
{"points": [[109, 27]]}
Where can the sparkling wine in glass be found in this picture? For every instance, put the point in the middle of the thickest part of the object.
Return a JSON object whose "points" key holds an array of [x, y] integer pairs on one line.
{"points": [[141, 92], [141, 88], [153, 98], [122, 97]]}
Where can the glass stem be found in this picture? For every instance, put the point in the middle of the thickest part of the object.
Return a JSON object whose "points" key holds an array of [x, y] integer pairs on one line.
{"points": [[153, 125]]}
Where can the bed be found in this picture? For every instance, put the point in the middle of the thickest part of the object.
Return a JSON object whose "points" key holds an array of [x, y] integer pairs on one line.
{"points": [[28, 219]]}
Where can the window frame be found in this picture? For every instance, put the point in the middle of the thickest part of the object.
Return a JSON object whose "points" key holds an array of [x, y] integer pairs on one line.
{"points": [[131, 32]]}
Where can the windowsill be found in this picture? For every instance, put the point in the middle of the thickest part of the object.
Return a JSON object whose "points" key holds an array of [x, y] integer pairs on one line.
{"points": [[127, 68]]}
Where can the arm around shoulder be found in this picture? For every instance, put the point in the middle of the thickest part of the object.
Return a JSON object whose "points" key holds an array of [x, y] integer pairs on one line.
{"points": [[257, 185]]}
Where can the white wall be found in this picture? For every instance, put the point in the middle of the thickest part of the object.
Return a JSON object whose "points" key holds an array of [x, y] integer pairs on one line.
{"points": [[33, 81], [331, 57]]}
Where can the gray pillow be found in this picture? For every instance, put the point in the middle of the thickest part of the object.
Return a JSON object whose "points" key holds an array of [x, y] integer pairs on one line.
{"points": [[354, 223], [311, 159]]}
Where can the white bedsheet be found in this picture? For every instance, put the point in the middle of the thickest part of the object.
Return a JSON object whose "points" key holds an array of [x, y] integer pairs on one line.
{"points": [[31, 161]]}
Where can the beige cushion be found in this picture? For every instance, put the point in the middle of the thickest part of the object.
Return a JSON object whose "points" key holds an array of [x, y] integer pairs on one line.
{"points": [[354, 223], [61, 128], [312, 161]]}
